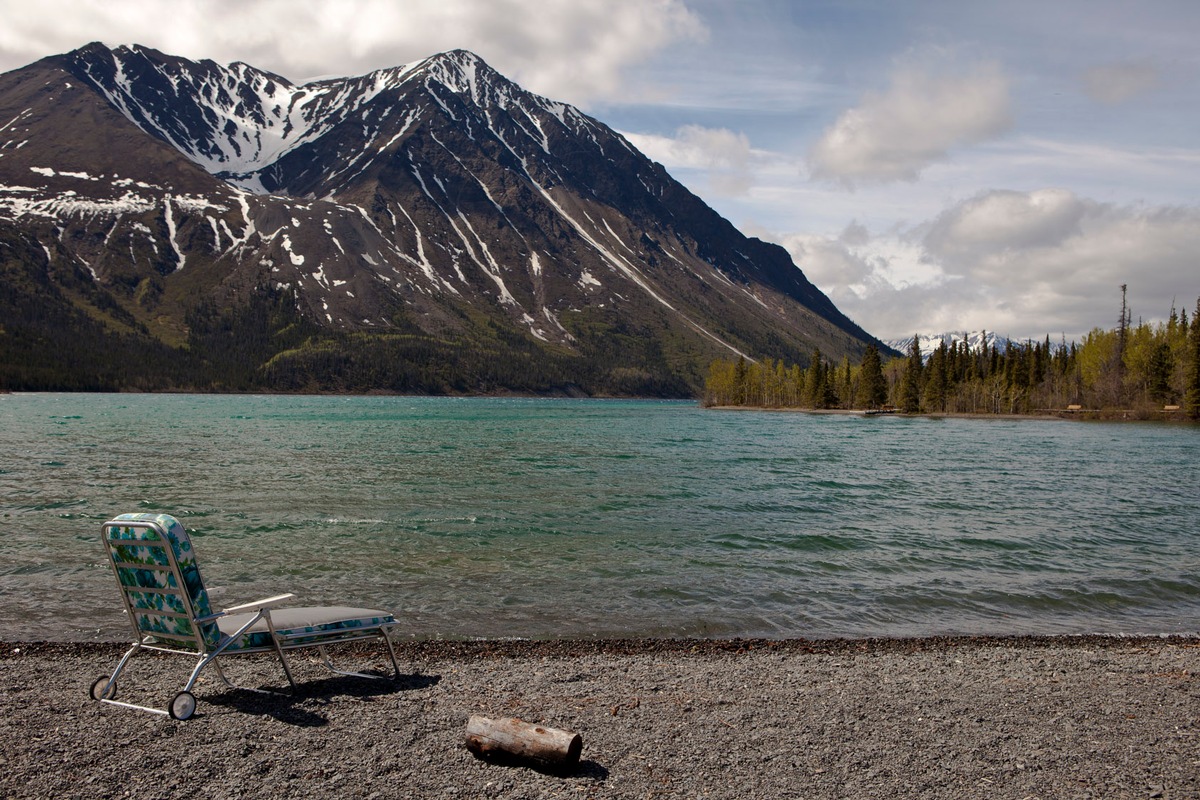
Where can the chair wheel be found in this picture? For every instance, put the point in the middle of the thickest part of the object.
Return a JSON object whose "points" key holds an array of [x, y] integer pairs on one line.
{"points": [[98, 687], [183, 705]]}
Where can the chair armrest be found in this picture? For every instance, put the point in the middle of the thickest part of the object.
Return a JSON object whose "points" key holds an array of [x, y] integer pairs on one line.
{"points": [[256, 605]]}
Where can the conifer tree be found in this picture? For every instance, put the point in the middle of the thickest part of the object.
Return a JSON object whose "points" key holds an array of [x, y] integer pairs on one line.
{"points": [[872, 387], [1162, 365], [935, 380], [1018, 358], [971, 372], [832, 399], [1191, 400], [846, 384], [1042, 363], [910, 384], [815, 381]]}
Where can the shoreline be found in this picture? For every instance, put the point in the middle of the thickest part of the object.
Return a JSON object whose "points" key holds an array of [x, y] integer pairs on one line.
{"points": [[1088, 415], [576, 647], [939, 717], [862, 412], [1083, 415]]}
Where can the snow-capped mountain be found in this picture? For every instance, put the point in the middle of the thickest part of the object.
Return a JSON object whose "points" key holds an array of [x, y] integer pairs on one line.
{"points": [[436, 199], [930, 341]]}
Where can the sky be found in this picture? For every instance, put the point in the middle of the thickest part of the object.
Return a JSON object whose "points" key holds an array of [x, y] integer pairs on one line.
{"points": [[931, 165]]}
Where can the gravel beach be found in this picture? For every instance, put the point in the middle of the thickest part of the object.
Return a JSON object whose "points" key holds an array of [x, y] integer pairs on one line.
{"points": [[1057, 717]]}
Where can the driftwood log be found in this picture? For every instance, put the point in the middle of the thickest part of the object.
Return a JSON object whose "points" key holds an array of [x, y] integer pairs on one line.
{"points": [[511, 739]]}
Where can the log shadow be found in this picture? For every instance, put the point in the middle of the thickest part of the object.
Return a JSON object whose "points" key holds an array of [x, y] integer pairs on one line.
{"points": [[592, 770], [587, 769]]}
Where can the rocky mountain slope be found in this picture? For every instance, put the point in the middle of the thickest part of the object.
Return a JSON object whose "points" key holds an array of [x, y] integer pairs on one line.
{"points": [[166, 223]]}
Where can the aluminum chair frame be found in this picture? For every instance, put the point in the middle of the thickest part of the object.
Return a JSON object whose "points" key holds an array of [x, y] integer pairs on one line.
{"points": [[193, 643]]}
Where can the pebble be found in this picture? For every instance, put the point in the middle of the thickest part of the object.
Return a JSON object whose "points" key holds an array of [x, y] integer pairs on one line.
{"points": [[712, 719]]}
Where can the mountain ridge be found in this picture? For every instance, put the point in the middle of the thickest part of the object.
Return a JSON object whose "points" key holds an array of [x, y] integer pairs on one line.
{"points": [[929, 342], [436, 199]]}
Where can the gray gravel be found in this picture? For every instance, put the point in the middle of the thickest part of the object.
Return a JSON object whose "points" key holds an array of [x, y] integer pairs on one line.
{"points": [[1078, 717]]}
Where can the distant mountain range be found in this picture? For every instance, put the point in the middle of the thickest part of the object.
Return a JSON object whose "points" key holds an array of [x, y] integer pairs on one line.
{"points": [[931, 341], [168, 223]]}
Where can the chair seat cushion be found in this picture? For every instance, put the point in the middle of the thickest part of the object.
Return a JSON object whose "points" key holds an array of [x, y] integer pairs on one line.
{"points": [[322, 622]]}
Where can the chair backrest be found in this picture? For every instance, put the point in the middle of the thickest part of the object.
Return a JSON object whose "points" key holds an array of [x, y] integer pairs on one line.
{"points": [[152, 558]]}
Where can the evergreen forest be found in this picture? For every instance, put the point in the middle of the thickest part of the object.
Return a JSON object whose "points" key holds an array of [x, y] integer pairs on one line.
{"points": [[1138, 371]]}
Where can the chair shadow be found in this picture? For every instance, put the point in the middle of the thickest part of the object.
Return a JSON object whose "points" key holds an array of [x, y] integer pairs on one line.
{"points": [[287, 706]]}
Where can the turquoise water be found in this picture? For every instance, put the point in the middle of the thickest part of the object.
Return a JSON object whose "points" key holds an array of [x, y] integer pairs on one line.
{"points": [[581, 518]]}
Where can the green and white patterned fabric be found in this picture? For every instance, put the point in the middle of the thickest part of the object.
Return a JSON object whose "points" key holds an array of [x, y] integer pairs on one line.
{"points": [[164, 613], [158, 612], [320, 621]]}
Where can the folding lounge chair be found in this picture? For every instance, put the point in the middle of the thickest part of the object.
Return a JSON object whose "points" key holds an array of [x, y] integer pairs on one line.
{"points": [[155, 566]]}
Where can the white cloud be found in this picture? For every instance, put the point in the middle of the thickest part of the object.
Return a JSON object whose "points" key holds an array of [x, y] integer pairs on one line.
{"points": [[1113, 84], [1006, 220], [723, 155], [1025, 264], [573, 50], [831, 263], [922, 116]]}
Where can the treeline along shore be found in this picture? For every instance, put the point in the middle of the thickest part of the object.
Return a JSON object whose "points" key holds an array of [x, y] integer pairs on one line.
{"points": [[1143, 371]]}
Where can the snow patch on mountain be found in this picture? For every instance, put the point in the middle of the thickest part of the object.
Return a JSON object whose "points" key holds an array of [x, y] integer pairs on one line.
{"points": [[296, 259], [170, 220], [236, 121], [67, 204]]}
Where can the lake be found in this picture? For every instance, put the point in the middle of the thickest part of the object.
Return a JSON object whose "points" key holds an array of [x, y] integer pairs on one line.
{"points": [[537, 518]]}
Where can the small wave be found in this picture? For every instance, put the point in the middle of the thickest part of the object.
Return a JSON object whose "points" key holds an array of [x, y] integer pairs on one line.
{"points": [[50, 506], [805, 542], [986, 543]]}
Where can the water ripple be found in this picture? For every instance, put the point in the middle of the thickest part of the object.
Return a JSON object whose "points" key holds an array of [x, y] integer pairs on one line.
{"points": [[510, 517]]}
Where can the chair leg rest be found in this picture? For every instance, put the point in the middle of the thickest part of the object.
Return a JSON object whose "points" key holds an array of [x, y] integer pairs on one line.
{"points": [[387, 640]]}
